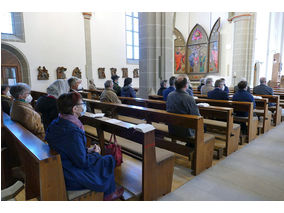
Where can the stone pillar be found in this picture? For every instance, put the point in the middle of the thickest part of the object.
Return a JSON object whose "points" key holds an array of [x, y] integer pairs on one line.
{"points": [[243, 46], [88, 46], [156, 51]]}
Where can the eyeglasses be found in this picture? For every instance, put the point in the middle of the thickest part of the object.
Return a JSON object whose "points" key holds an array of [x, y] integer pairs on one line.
{"points": [[83, 103]]}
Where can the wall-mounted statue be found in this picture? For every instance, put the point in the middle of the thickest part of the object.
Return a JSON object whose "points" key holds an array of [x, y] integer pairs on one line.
{"points": [[77, 73], [101, 73], [124, 72], [136, 73], [60, 72], [113, 71], [42, 73]]}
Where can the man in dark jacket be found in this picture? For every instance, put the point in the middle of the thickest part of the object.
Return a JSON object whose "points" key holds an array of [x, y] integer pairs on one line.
{"points": [[262, 89], [116, 87], [127, 90], [224, 88], [218, 93], [170, 89], [163, 87], [179, 101], [202, 83]]}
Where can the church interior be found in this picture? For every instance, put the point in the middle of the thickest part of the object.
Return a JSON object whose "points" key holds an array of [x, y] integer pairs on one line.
{"points": [[149, 106]]}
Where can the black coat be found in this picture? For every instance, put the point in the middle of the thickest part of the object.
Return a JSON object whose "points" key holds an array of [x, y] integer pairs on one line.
{"points": [[48, 109], [6, 104]]}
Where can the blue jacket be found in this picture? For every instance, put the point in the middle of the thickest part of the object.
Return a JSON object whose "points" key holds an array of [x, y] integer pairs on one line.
{"points": [[167, 91], [262, 89], [218, 94], [226, 89], [242, 95], [189, 91], [82, 170], [128, 91]]}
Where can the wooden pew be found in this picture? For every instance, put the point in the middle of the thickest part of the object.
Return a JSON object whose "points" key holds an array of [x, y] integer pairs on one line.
{"points": [[156, 97], [261, 110], [157, 165], [277, 110], [36, 95], [204, 143], [237, 106], [42, 167], [228, 128]]}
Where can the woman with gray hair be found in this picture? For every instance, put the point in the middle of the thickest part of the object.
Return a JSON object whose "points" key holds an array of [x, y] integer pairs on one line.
{"points": [[23, 112], [46, 105]]}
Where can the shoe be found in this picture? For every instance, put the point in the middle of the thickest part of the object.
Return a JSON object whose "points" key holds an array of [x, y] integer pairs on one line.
{"points": [[115, 195]]}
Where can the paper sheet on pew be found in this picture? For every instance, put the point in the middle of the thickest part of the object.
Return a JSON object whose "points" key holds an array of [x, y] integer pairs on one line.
{"points": [[203, 104], [257, 97], [97, 115], [195, 97], [144, 128]]}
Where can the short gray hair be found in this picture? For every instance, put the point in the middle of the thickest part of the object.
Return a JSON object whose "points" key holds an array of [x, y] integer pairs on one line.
{"points": [[72, 81], [108, 83], [209, 80], [19, 89], [262, 80]]}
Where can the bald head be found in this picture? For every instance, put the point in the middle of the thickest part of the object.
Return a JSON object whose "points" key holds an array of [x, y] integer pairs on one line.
{"points": [[262, 80], [181, 83]]}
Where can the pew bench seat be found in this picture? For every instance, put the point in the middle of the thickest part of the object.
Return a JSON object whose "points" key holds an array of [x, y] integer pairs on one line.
{"points": [[133, 149]]}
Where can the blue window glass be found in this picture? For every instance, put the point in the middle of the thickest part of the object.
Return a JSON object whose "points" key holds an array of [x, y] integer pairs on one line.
{"points": [[132, 35]]}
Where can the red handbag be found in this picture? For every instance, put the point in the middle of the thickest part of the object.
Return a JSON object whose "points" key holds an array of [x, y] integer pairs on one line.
{"points": [[115, 150]]}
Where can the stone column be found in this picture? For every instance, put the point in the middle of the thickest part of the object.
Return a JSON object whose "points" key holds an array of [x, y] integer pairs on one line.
{"points": [[156, 51], [243, 46], [88, 46]]}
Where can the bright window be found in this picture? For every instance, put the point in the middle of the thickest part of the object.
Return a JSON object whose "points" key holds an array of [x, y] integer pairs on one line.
{"points": [[132, 36], [7, 26]]}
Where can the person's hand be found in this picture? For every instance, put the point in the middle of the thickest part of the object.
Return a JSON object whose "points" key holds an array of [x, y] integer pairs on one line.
{"points": [[94, 148]]}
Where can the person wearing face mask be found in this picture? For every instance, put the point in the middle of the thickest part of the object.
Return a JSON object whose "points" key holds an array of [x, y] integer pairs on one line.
{"points": [[6, 101], [75, 84], [23, 112], [82, 168], [127, 90], [224, 88], [46, 105], [218, 93]]}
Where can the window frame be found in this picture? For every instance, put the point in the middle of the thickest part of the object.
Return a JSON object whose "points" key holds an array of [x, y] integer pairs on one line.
{"points": [[132, 31], [18, 29]]}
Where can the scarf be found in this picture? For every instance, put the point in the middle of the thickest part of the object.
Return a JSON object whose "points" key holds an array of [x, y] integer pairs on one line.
{"points": [[73, 119]]}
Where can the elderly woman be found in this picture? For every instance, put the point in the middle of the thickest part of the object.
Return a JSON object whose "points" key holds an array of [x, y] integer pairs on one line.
{"points": [[46, 105], [83, 168], [23, 112], [127, 90]]}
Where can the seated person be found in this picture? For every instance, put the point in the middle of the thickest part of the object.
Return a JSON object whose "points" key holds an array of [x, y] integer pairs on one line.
{"points": [[162, 88], [6, 100], [218, 93], [202, 82], [46, 105], [262, 89], [236, 88], [225, 88], [23, 112], [243, 95], [189, 90], [75, 84], [92, 85], [116, 87], [170, 89], [83, 168], [127, 90], [207, 87], [179, 101], [108, 95]]}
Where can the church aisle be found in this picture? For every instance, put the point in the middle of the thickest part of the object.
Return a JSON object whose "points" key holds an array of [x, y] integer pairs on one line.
{"points": [[255, 172]]}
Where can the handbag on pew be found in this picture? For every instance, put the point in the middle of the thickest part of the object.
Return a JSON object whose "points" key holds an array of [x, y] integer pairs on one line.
{"points": [[114, 149]]}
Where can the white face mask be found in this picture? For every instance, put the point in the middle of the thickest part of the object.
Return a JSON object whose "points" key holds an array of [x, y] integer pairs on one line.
{"points": [[8, 93], [223, 87], [29, 98], [84, 109], [80, 87]]}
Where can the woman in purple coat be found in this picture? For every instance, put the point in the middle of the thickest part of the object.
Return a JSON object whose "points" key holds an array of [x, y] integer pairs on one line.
{"points": [[83, 168]]}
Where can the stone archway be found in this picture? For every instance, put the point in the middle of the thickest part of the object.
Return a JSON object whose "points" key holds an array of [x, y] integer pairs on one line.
{"points": [[26, 77]]}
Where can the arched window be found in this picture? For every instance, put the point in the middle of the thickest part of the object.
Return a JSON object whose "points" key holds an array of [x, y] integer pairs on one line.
{"points": [[132, 37], [13, 27]]}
